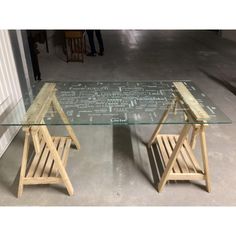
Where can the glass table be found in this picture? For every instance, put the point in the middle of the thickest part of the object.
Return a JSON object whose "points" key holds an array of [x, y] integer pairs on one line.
{"points": [[114, 103]]}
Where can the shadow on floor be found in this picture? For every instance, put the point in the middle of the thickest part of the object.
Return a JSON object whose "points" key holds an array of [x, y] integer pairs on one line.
{"points": [[124, 160], [156, 163]]}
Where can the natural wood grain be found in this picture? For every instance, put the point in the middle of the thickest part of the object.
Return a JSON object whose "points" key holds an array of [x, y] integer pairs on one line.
{"points": [[23, 164], [60, 152], [173, 157], [49, 161], [186, 176], [181, 163], [42, 162], [175, 150], [35, 138], [51, 152], [40, 106], [66, 121], [162, 150], [195, 132], [192, 157], [169, 151], [42, 180], [198, 112], [186, 158], [57, 159], [159, 126], [36, 160], [205, 157]]}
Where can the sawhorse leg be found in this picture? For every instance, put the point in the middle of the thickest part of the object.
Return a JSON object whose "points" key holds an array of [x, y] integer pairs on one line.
{"points": [[64, 118], [24, 163], [173, 156], [159, 126], [205, 157]]}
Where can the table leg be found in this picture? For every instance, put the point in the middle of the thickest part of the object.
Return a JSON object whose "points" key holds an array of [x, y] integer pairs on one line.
{"points": [[195, 132], [205, 157], [23, 163]]}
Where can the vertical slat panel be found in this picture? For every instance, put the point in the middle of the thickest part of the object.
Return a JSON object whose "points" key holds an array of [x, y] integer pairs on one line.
{"points": [[9, 89]]}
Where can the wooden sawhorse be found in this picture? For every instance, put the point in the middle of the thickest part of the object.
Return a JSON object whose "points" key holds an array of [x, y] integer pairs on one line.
{"points": [[176, 151], [51, 153]]}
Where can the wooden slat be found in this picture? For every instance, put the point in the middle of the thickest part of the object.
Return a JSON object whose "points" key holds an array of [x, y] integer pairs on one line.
{"points": [[173, 156], [192, 157], [186, 158], [186, 176], [41, 164], [169, 151], [60, 152], [195, 132], [49, 163], [162, 150], [57, 159], [35, 138], [197, 111], [181, 163], [36, 159], [66, 151], [40, 106], [42, 180]]}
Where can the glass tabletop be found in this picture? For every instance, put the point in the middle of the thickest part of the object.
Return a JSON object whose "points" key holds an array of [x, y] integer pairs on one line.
{"points": [[119, 102]]}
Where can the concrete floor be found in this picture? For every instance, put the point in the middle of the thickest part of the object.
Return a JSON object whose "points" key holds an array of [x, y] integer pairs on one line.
{"points": [[113, 166]]}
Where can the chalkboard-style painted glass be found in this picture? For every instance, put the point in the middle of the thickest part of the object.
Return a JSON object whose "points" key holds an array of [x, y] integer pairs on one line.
{"points": [[110, 103]]}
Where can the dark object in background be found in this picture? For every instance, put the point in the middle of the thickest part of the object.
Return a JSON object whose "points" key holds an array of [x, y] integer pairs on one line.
{"points": [[35, 36], [75, 45], [91, 42]]}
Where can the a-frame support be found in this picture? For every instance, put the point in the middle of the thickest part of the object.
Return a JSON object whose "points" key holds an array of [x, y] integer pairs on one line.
{"points": [[51, 153], [176, 151]]}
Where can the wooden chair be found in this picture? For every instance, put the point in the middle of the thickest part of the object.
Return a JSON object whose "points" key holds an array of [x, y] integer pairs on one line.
{"points": [[75, 45]]}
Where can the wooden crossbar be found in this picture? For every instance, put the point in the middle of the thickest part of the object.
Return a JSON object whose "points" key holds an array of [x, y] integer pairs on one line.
{"points": [[195, 108], [40, 106]]}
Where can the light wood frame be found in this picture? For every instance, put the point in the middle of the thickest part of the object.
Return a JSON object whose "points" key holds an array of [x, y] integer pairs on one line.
{"points": [[51, 153], [176, 151]]}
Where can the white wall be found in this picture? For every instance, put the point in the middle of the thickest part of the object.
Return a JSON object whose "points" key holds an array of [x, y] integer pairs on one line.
{"points": [[10, 92]]}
